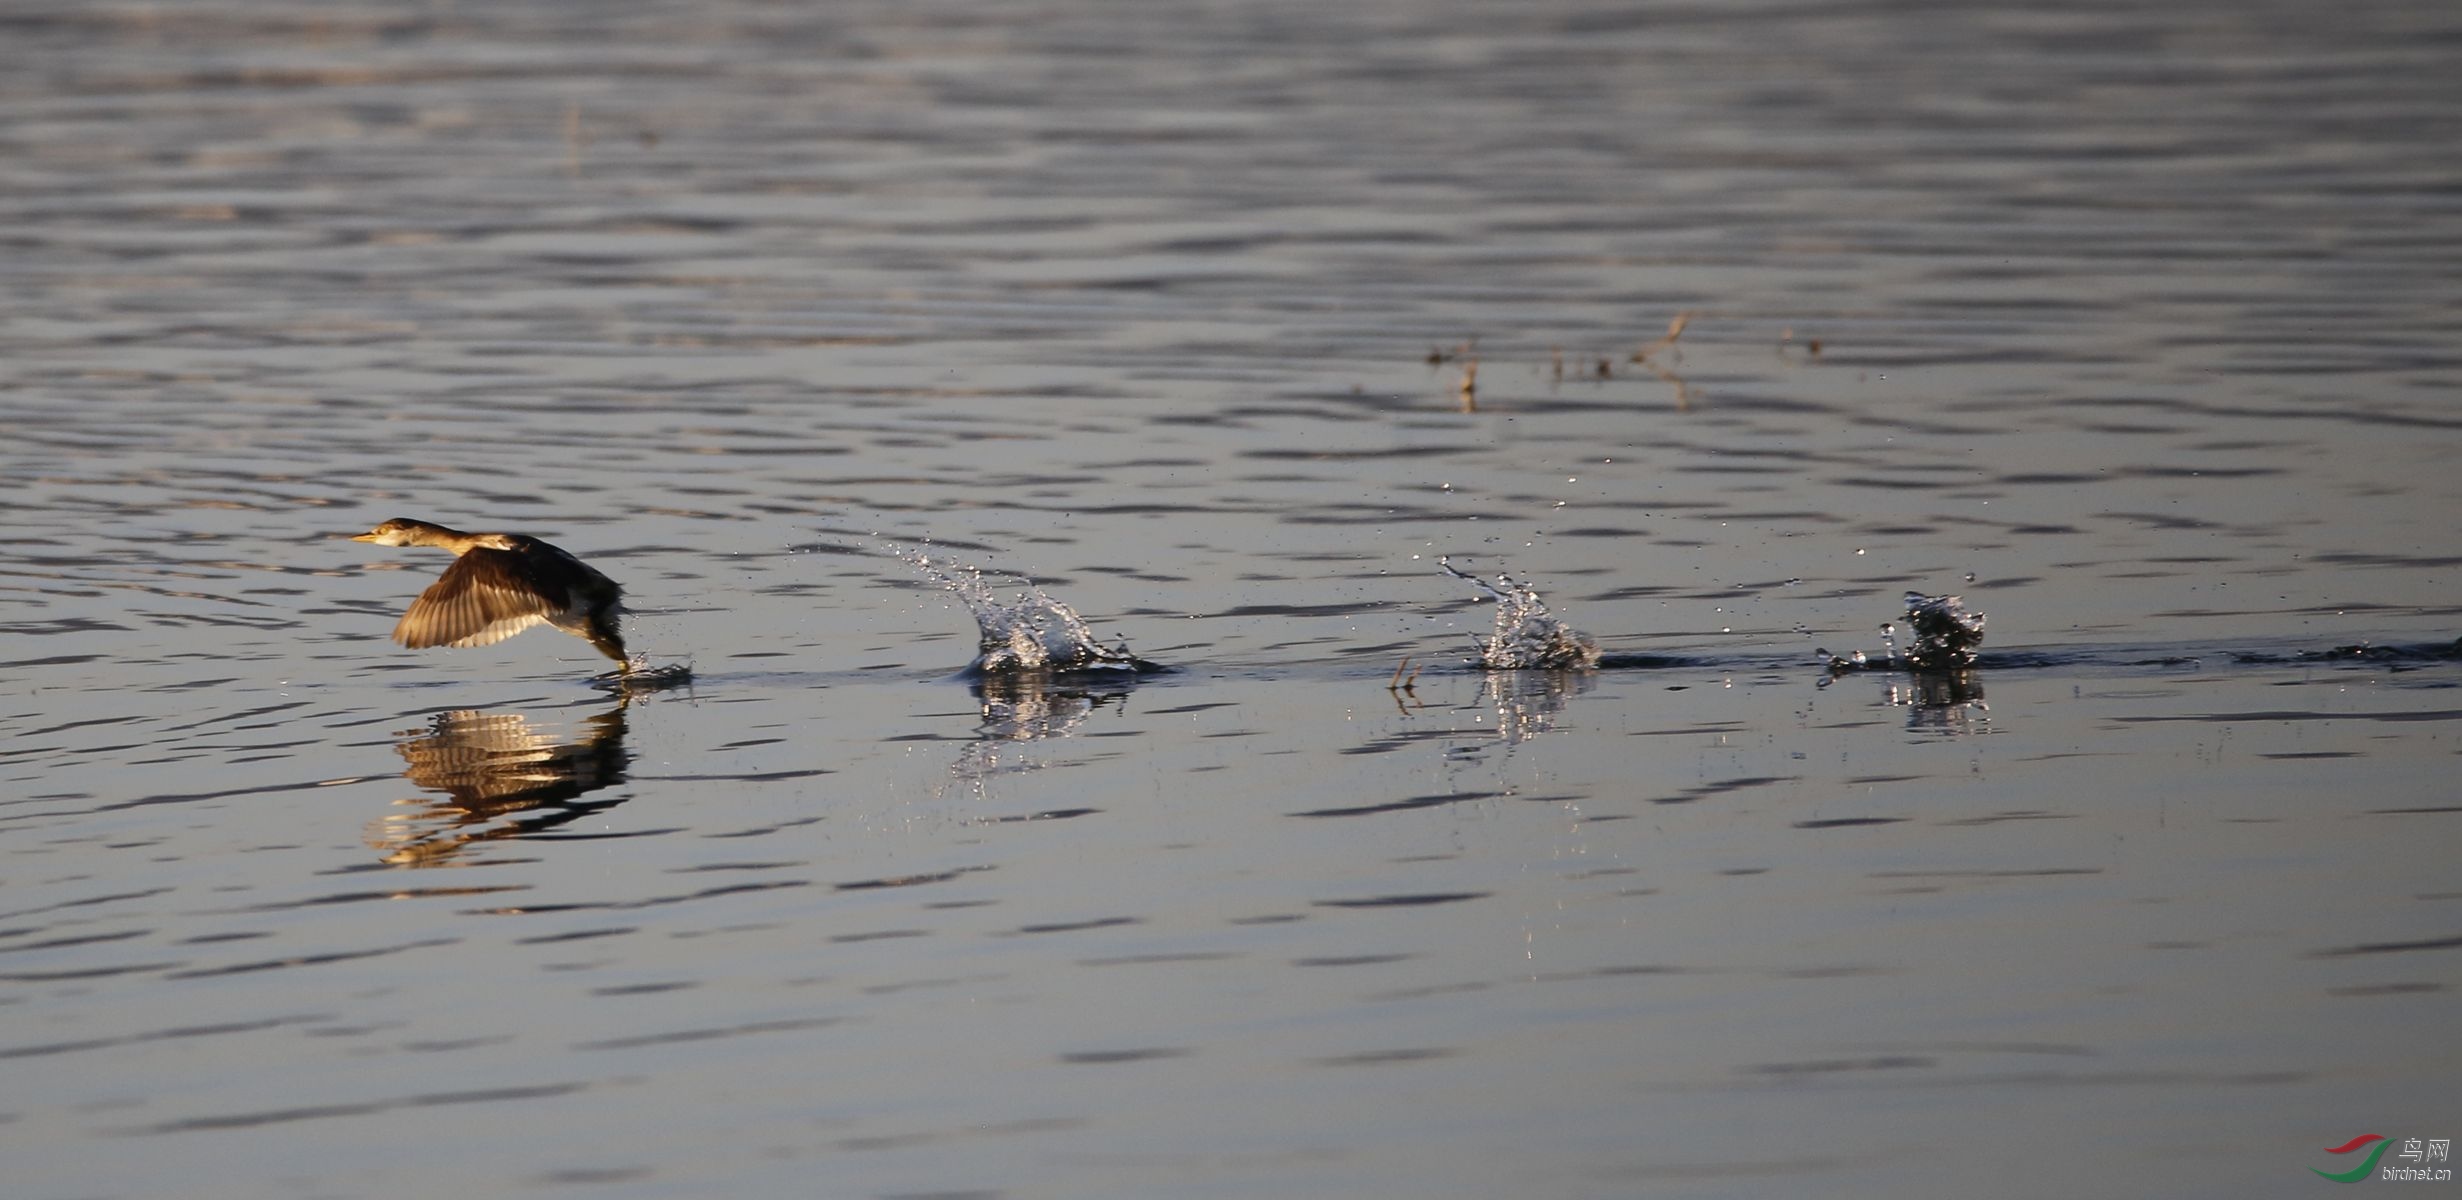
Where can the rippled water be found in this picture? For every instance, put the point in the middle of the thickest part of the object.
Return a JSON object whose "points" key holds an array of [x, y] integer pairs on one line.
{"points": [[2133, 326]]}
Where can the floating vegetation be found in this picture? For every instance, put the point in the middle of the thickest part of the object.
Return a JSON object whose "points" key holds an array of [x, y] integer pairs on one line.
{"points": [[1527, 637], [1666, 341], [1652, 356], [1404, 686], [1029, 633]]}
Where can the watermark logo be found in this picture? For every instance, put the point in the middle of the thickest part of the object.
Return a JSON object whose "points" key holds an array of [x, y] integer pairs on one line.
{"points": [[2413, 1151]]}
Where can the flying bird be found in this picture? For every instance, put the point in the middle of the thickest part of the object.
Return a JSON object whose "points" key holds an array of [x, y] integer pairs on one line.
{"points": [[500, 584]]}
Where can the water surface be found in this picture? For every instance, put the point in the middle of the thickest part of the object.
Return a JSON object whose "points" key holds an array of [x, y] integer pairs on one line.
{"points": [[2133, 327]]}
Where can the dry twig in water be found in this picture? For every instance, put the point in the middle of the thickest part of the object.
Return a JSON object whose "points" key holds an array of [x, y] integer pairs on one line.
{"points": [[1675, 329], [1405, 685], [1684, 391]]}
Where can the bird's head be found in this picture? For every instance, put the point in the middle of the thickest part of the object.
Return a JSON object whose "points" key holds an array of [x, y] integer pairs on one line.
{"points": [[400, 531]]}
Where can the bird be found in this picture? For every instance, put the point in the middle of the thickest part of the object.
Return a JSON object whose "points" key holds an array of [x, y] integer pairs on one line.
{"points": [[500, 584]]}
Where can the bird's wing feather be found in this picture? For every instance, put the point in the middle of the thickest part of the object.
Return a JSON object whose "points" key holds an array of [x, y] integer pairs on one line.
{"points": [[497, 631], [542, 563], [485, 597]]}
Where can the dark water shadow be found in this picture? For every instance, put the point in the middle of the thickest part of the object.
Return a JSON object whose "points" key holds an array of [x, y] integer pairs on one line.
{"points": [[1123, 671], [1653, 662], [2397, 656]]}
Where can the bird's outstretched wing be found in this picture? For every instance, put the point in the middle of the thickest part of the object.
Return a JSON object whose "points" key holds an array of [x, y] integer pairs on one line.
{"points": [[485, 597]]}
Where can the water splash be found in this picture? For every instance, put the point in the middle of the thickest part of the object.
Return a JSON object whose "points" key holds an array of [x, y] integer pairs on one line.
{"points": [[1945, 633], [1945, 638], [1029, 633], [1938, 691], [642, 677], [1526, 636]]}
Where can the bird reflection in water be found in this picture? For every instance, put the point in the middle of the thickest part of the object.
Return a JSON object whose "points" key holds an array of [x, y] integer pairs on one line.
{"points": [[1528, 702], [1945, 700], [500, 777], [1021, 708], [1948, 701]]}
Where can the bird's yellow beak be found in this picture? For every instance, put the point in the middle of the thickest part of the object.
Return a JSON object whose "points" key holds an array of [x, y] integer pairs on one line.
{"points": [[369, 536]]}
